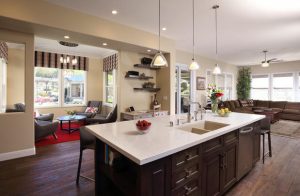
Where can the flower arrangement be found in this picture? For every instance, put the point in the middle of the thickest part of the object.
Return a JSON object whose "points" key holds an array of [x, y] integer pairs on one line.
{"points": [[71, 112], [214, 93]]}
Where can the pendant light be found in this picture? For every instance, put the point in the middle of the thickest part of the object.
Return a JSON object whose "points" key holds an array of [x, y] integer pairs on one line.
{"points": [[217, 69], [194, 65], [159, 59]]}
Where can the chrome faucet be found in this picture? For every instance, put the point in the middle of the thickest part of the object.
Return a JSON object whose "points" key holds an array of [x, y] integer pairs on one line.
{"points": [[189, 116]]}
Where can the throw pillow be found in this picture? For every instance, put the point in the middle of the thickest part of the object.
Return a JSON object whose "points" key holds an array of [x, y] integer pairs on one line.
{"points": [[244, 103], [250, 102], [91, 110]]}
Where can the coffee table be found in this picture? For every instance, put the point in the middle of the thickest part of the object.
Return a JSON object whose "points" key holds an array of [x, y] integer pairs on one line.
{"points": [[69, 119], [272, 115]]}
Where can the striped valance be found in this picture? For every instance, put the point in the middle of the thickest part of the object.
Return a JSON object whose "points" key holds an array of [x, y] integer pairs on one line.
{"points": [[110, 62], [54, 60], [4, 51]]}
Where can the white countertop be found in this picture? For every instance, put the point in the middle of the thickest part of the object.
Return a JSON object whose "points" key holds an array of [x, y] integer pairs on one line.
{"points": [[162, 139]]}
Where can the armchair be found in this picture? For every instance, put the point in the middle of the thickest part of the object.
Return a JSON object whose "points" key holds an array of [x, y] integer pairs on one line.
{"points": [[18, 107], [44, 128], [45, 117], [96, 104], [98, 119]]}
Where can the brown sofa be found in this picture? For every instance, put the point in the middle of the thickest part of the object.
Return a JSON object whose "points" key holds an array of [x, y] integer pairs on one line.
{"points": [[287, 110]]}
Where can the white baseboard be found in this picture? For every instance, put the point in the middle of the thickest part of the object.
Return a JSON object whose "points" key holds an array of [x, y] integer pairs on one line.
{"points": [[17, 154]]}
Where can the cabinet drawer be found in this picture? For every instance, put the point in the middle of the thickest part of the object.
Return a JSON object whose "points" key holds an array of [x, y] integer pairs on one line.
{"points": [[186, 173], [212, 145], [192, 188], [231, 137], [187, 156]]}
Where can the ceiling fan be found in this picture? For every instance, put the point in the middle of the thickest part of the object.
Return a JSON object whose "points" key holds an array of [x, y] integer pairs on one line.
{"points": [[266, 62]]}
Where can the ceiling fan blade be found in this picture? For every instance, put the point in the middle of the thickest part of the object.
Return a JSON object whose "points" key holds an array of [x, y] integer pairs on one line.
{"points": [[277, 61], [272, 60]]}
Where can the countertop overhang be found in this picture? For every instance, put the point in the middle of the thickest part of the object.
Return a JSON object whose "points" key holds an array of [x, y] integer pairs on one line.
{"points": [[163, 140]]}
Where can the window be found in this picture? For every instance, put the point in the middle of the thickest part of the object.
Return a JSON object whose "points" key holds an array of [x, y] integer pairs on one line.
{"points": [[283, 87], [228, 89], [74, 87], [51, 83], [221, 81], [110, 87], [3, 79], [46, 91], [260, 87], [210, 78]]}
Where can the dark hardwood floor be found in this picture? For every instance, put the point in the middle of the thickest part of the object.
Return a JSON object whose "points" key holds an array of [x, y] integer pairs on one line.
{"points": [[53, 171]]}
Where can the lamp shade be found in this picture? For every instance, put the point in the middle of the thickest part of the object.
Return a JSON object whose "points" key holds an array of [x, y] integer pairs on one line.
{"points": [[159, 60], [194, 65], [217, 70], [265, 64]]}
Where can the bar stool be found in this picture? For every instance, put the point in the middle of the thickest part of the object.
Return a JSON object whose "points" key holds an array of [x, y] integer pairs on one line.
{"points": [[266, 129]]}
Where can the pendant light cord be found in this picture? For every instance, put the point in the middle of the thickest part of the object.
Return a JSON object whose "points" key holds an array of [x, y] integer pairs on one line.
{"points": [[193, 30], [216, 26], [159, 25]]}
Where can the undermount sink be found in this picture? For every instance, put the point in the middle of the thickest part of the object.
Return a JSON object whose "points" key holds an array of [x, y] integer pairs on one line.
{"points": [[203, 127]]}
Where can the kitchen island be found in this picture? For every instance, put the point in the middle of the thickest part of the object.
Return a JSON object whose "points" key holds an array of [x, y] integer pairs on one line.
{"points": [[197, 158]]}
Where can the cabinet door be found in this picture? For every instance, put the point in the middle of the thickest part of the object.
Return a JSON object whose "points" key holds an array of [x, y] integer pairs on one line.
{"points": [[256, 143], [212, 174], [229, 166]]}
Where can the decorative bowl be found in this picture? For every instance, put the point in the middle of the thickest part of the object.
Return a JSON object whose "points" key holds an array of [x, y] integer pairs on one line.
{"points": [[143, 126]]}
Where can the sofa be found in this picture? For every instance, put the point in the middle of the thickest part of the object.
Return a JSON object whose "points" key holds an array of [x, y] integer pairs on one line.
{"points": [[287, 110]]}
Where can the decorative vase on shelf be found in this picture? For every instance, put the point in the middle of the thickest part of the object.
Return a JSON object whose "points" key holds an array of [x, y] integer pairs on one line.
{"points": [[214, 106]]}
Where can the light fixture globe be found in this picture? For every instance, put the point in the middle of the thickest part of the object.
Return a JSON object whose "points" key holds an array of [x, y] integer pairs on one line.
{"points": [[217, 70], [159, 60], [265, 64], [194, 65]]}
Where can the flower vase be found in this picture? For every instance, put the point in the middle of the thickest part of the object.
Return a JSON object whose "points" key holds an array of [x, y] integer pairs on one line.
{"points": [[214, 106]]}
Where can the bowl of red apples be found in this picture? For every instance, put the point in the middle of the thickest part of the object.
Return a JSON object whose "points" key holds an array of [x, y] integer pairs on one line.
{"points": [[143, 126]]}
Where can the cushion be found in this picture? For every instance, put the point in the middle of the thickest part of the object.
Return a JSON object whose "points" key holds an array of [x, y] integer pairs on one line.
{"points": [[277, 109], [250, 102], [227, 104], [244, 103], [292, 105], [277, 104], [291, 111], [232, 105], [91, 110], [237, 104], [261, 103]]}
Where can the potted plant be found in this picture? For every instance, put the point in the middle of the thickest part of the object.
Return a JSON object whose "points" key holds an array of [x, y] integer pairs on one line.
{"points": [[214, 95]]}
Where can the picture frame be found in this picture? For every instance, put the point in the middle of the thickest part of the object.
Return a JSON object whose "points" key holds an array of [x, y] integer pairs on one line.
{"points": [[200, 83]]}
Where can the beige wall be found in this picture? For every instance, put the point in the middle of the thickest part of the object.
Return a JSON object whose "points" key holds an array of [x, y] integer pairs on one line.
{"points": [[206, 64], [285, 67], [94, 88], [16, 129], [15, 77], [127, 97]]}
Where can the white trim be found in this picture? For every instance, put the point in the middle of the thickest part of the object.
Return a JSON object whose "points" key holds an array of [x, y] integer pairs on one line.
{"points": [[17, 154]]}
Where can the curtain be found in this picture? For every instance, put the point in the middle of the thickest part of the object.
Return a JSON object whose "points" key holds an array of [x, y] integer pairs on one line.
{"points": [[4, 51], [110, 63], [53, 60]]}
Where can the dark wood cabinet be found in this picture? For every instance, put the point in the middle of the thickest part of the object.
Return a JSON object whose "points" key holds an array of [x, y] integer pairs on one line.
{"points": [[229, 166]]}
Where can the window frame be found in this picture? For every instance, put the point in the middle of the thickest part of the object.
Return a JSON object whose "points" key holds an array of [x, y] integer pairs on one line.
{"points": [[114, 73], [268, 88], [61, 103], [272, 88]]}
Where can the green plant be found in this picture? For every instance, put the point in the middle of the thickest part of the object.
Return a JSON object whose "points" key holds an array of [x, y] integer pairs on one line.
{"points": [[243, 86]]}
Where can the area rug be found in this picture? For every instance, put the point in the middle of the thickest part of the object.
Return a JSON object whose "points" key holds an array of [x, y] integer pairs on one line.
{"points": [[286, 128], [62, 136]]}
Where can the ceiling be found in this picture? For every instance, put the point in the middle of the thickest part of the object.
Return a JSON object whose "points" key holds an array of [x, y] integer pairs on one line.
{"points": [[246, 27], [49, 45]]}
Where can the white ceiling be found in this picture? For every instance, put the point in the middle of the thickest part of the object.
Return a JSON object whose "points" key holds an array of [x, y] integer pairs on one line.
{"points": [[49, 45], [246, 27]]}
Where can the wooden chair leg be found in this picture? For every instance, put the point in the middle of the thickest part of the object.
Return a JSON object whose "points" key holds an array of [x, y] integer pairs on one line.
{"points": [[55, 136], [270, 144], [79, 167], [263, 154]]}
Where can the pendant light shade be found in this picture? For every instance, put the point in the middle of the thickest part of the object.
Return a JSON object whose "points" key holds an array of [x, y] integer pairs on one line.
{"points": [[217, 70], [159, 59], [265, 64], [194, 65]]}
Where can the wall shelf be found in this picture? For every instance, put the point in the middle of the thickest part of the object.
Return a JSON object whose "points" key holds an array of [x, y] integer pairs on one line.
{"points": [[145, 66], [147, 89], [139, 77]]}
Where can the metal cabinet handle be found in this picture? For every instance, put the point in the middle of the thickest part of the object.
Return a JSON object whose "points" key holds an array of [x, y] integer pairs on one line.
{"points": [[189, 190], [246, 130]]}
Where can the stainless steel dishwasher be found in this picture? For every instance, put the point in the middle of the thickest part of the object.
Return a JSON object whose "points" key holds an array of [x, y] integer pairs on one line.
{"points": [[245, 154]]}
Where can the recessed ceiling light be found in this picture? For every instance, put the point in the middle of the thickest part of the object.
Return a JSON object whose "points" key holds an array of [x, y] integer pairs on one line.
{"points": [[148, 50], [67, 37], [104, 44], [114, 12], [164, 28]]}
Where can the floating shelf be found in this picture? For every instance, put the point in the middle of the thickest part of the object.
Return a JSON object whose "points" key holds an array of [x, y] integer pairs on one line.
{"points": [[145, 66], [139, 77], [147, 89]]}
